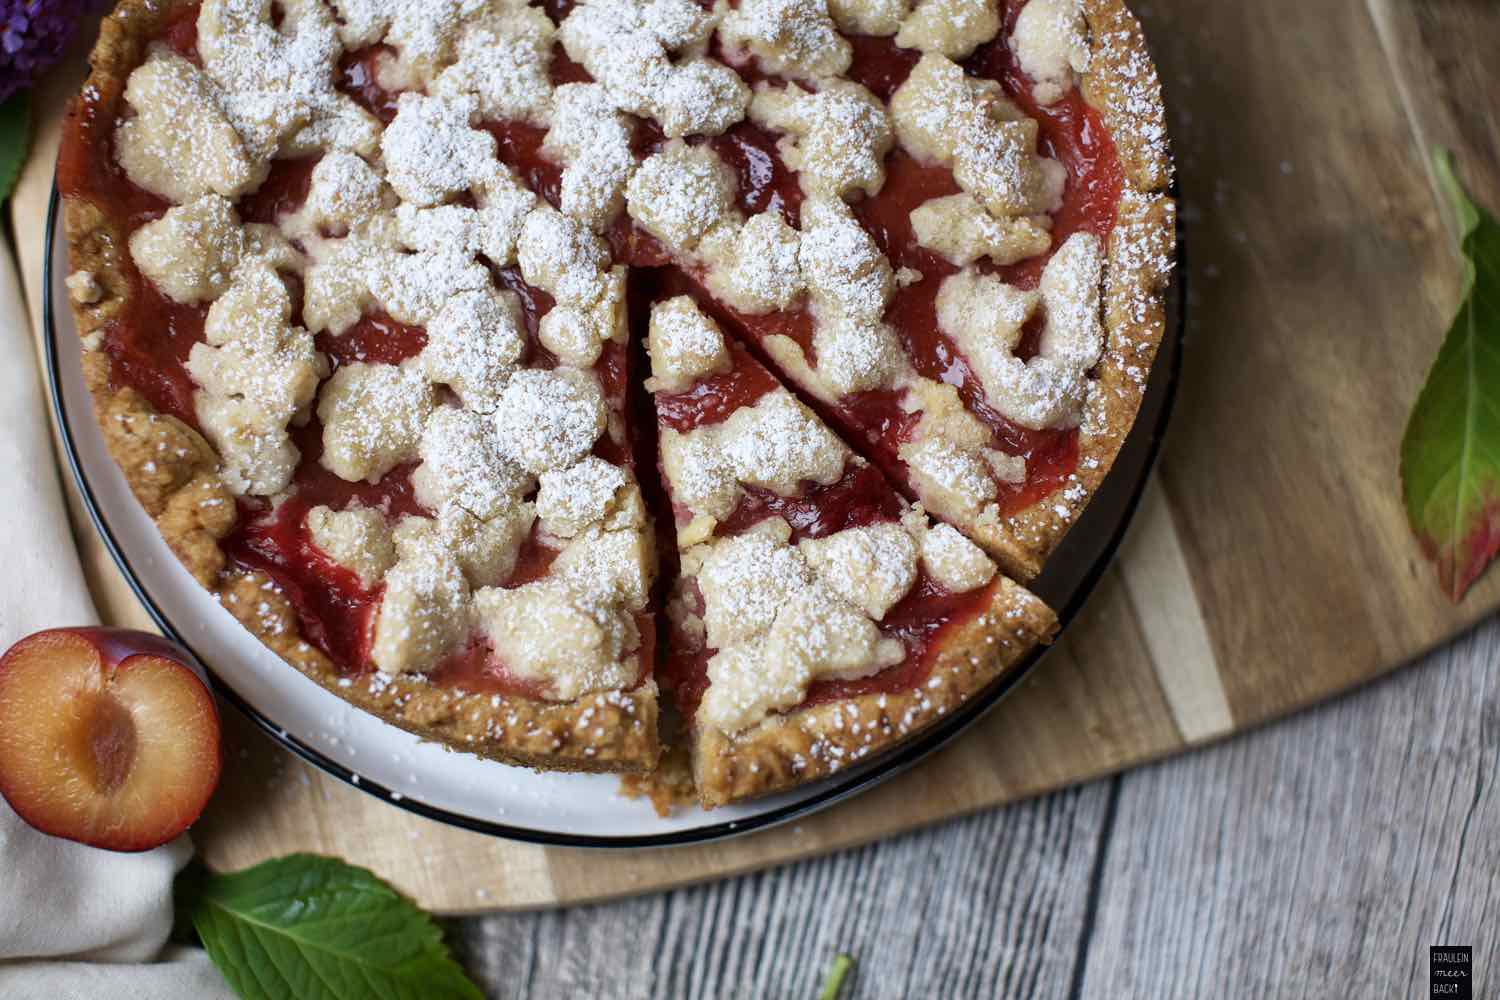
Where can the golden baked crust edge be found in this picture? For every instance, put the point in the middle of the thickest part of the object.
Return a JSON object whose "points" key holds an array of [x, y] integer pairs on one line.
{"points": [[184, 496], [814, 742], [173, 472], [1122, 83]]}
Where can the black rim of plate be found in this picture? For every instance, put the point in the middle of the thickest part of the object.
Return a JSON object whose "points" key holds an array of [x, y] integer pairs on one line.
{"points": [[881, 768]]}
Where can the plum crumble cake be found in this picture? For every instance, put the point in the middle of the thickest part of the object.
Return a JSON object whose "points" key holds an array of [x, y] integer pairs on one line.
{"points": [[507, 368]]}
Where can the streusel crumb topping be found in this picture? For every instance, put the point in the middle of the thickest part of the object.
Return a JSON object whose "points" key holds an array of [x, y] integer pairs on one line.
{"points": [[444, 317]]}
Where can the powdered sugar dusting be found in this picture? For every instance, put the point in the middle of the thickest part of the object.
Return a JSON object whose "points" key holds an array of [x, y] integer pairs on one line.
{"points": [[411, 220]]}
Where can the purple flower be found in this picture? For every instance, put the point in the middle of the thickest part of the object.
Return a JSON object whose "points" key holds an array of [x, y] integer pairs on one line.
{"points": [[32, 35]]}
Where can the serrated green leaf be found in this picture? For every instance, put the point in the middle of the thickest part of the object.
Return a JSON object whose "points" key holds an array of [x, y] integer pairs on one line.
{"points": [[316, 928], [15, 139], [1450, 455]]}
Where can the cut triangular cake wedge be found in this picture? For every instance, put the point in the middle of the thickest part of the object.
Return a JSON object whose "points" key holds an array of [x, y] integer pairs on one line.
{"points": [[356, 294], [462, 547], [817, 618], [962, 260], [375, 403]]}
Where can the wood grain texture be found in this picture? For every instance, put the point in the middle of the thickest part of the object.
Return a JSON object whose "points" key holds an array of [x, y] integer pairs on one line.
{"points": [[1324, 856], [1319, 858], [1082, 690], [1165, 604], [1441, 54], [1316, 857], [269, 800], [1321, 286], [1320, 187], [923, 917], [1321, 280]]}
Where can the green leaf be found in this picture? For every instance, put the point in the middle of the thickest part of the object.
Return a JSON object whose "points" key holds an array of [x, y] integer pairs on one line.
{"points": [[186, 889], [834, 981], [316, 928], [1450, 456], [15, 138]]}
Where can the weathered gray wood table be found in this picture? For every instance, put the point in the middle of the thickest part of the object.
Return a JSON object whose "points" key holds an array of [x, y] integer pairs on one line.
{"points": [[1318, 857]]}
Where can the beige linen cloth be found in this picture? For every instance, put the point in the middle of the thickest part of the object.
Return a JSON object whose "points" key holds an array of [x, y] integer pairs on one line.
{"points": [[75, 921]]}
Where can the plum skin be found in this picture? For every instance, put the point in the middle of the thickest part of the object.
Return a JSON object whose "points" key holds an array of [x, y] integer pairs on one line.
{"points": [[75, 761]]}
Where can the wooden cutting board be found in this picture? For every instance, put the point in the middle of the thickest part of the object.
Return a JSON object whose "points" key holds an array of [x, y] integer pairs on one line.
{"points": [[1270, 565]]}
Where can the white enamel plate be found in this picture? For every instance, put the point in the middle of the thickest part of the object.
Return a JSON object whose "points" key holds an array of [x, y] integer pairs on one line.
{"points": [[572, 809]]}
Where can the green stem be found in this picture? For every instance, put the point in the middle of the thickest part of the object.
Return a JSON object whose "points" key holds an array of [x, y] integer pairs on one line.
{"points": [[834, 981]]}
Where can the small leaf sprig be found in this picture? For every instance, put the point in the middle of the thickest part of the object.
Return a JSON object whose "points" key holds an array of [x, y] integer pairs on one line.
{"points": [[833, 981], [1450, 454]]}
